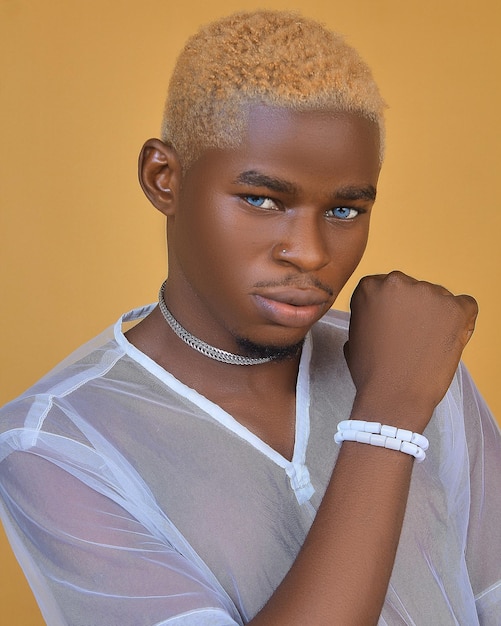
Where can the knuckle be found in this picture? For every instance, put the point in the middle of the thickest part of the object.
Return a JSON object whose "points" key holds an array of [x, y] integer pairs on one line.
{"points": [[468, 305], [396, 277], [470, 302], [367, 282], [464, 310]]}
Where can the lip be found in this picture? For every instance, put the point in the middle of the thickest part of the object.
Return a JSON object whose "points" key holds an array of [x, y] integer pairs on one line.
{"points": [[291, 307]]}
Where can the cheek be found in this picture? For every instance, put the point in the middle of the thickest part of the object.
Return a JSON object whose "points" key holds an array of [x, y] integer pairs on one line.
{"points": [[235, 237], [215, 249], [348, 250], [360, 243], [354, 240]]}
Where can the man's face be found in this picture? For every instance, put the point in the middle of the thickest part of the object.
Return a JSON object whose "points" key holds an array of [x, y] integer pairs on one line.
{"points": [[265, 235]]}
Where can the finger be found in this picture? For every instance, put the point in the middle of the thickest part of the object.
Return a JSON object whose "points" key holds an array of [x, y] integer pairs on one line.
{"points": [[469, 303], [470, 306], [394, 276], [398, 277], [468, 335]]}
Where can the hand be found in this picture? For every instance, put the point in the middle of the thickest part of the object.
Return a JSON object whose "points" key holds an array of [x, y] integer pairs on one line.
{"points": [[405, 342]]}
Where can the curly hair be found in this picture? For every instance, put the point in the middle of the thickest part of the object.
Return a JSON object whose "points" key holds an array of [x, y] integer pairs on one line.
{"points": [[276, 58]]}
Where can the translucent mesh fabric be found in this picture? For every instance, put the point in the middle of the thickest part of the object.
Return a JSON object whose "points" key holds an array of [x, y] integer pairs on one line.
{"points": [[131, 499]]}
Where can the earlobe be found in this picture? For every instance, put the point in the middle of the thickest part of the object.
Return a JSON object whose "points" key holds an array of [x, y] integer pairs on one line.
{"points": [[159, 173]]}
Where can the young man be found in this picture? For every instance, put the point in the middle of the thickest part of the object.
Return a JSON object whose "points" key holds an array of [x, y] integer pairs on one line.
{"points": [[185, 471]]}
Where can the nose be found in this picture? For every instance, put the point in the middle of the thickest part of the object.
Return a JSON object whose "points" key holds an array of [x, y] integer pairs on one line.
{"points": [[303, 244]]}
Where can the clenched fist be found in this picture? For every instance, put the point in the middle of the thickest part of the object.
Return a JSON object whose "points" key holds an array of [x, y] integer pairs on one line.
{"points": [[405, 342]]}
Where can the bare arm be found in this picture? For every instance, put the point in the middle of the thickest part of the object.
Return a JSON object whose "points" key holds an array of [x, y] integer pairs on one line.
{"points": [[406, 339]]}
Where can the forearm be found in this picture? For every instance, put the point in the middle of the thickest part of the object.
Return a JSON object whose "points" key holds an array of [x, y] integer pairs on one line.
{"points": [[405, 342], [343, 570]]}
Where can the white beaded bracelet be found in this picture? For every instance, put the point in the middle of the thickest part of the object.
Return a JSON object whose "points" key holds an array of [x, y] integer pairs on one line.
{"points": [[383, 436]]}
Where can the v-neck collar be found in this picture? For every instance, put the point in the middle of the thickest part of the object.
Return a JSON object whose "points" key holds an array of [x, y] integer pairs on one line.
{"points": [[295, 469]]}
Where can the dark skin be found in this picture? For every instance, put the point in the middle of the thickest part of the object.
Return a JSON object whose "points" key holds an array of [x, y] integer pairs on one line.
{"points": [[262, 237], [204, 289]]}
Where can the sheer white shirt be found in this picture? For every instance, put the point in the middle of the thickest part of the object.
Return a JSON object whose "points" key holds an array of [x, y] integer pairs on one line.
{"points": [[131, 499]]}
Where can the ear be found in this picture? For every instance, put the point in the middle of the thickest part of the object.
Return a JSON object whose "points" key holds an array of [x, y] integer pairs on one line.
{"points": [[159, 172]]}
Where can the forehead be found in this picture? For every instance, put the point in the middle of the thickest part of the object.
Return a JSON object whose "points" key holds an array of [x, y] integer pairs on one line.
{"points": [[322, 132], [314, 146]]}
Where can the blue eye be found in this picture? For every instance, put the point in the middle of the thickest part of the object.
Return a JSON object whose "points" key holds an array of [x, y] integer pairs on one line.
{"points": [[343, 213], [262, 202]]}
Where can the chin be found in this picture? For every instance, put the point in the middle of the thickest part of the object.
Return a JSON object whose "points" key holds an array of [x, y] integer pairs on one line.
{"points": [[277, 353]]}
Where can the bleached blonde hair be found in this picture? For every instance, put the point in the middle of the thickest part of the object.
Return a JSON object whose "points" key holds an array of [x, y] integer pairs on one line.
{"points": [[276, 58]]}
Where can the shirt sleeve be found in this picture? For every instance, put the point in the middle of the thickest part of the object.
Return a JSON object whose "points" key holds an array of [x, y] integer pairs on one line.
{"points": [[483, 550], [91, 562]]}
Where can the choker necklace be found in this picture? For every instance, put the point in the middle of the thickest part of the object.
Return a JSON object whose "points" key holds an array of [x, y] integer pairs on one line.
{"points": [[197, 344]]}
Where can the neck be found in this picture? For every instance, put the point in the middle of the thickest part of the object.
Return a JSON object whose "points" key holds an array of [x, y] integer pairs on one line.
{"points": [[159, 342], [212, 352]]}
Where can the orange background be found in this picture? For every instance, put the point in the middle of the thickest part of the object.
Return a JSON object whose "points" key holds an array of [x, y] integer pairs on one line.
{"points": [[82, 86]]}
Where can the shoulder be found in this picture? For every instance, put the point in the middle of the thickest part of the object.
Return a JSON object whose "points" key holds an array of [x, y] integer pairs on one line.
{"points": [[86, 364], [481, 428]]}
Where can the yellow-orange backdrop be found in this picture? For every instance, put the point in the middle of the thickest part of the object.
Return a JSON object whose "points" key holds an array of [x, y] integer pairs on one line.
{"points": [[82, 85]]}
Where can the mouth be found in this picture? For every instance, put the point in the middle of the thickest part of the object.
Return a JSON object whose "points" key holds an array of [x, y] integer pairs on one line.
{"points": [[291, 307]]}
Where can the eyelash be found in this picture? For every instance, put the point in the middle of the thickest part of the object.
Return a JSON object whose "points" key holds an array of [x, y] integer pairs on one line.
{"points": [[251, 198], [351, 211]]}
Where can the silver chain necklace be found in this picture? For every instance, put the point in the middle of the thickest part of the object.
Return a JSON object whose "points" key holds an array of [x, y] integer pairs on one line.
{"points": [[197, 344]]}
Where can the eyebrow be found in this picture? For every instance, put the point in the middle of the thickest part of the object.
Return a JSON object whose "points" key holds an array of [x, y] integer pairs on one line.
{"points": [[258, 179], [356, 193]]}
